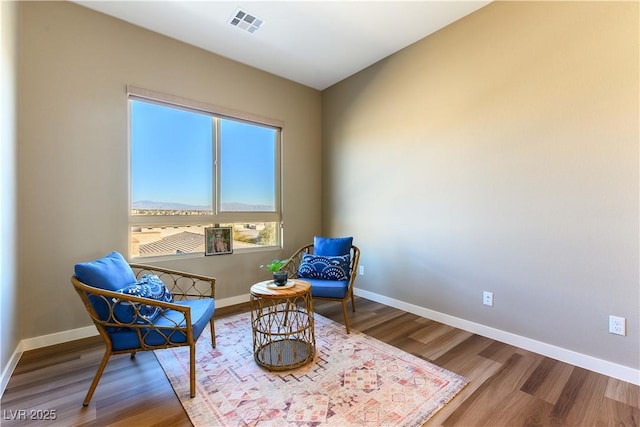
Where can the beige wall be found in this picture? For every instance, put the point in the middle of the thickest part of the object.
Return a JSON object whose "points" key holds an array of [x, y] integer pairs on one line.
{"points": [[75, 64], [499, 154], [9, 296]]}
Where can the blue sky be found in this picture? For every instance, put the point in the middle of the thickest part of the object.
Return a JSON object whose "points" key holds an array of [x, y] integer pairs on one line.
{"points": [[172, 158]]}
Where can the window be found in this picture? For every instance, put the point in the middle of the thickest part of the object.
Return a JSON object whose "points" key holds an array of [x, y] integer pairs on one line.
{"points": [[194, 166]]}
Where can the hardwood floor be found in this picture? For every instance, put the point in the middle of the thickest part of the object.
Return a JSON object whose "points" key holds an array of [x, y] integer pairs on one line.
{"points": [[508, 386]]}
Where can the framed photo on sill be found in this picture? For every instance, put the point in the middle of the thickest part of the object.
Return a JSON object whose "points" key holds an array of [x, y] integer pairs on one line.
{"points": [[218, 241]]}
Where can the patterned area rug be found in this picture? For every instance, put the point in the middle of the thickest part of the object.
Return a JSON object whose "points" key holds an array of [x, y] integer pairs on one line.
{"points": [[355, 380]]}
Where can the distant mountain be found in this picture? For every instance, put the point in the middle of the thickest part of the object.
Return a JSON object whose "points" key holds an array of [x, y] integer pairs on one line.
{"points": [[150, 205], [243, 207], [230, 207]]}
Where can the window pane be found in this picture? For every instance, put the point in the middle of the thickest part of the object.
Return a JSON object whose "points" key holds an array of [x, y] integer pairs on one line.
{"points": [[247, 167], [202, 169], [171, 161], [159, 241], [181, 240], [255, 234]]}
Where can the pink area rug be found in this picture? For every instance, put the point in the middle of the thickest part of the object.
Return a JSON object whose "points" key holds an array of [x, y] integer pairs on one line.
{"points": [[355, 380]]}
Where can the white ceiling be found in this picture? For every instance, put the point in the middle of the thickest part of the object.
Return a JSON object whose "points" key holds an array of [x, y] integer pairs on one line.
{"points": [[315, 43]]}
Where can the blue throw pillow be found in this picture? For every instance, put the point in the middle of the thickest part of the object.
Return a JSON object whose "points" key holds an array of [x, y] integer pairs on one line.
{"points": [[324, 267], [157, 289], [110, 273], [149, 286], [332, 246]]}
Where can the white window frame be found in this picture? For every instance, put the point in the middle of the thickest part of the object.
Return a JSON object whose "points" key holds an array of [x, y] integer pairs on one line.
{"points": [[218, 217]]}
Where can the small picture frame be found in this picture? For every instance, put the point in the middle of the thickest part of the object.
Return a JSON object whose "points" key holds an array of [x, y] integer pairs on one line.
{"points": [[218, 240]]}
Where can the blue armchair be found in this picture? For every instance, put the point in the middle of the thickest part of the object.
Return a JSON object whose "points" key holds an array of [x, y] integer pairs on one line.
{"points": [[139, 307], [330, 265]]}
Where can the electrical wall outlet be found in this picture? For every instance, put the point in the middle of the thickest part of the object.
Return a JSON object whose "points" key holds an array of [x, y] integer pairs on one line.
{"points": [[617, 325], [487, 298], [361, 270]]}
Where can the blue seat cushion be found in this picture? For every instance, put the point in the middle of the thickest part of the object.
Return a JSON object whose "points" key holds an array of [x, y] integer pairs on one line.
{"points": [[201, 312], [324, 267], [332, 246], [328, 288], [111, 272]]}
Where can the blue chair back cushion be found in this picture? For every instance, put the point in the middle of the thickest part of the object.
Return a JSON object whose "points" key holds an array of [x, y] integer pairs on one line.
{"points": [[201, 312], [328, 288], [332, 246], [324, 267], [111, 273]]}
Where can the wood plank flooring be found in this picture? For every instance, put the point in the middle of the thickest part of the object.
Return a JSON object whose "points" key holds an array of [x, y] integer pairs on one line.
{"points": [[508, 386]]}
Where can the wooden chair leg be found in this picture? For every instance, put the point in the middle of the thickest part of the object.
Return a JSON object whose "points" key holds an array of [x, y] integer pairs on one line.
{"points": [[353, 302], [346, 317], [96, 379], [213, 333], [192, 369]]}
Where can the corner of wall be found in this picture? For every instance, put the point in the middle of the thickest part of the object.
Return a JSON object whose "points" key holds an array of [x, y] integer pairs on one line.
{"points": [[10, 325]]}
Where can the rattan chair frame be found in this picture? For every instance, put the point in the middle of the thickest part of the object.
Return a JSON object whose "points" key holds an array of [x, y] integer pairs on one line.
{"points": [[293, 263], [182, 286]]}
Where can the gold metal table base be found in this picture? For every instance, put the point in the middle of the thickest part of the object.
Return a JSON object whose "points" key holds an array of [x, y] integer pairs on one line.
{"points": [[282, 326]]}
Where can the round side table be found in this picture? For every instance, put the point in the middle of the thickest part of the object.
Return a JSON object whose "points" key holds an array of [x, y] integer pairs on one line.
{"points": [[282, 324]]}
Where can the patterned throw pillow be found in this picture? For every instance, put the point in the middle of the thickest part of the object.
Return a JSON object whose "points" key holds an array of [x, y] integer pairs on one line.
{"points": [[324, 267], [149, 286], [158, 290]]}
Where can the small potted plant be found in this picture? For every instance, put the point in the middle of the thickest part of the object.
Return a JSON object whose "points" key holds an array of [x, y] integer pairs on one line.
{"points": [[279, 277]]}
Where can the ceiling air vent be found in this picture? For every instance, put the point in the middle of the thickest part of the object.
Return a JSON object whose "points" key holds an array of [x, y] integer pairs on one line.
{"points": [[245, 21]]}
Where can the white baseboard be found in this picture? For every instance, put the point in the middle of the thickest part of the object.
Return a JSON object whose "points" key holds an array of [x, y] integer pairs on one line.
{"points": [[240, 299], [8, 370], [42, 341], [58, 338], [591, 363]]}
